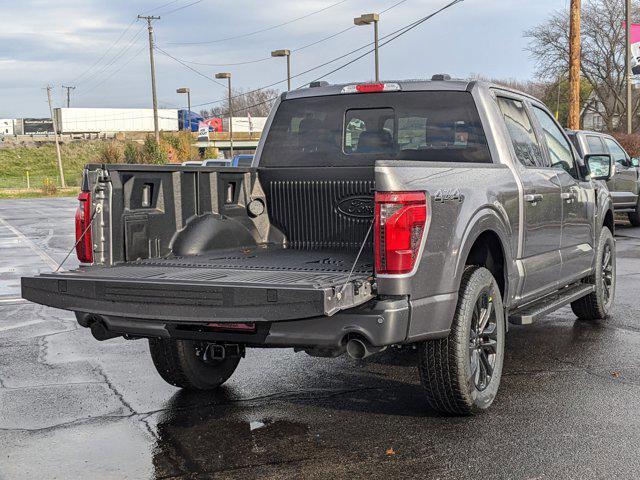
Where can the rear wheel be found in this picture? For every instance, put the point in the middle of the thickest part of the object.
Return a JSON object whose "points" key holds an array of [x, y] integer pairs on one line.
{"points": [[461, 373], [597, 305], [186, 364]]}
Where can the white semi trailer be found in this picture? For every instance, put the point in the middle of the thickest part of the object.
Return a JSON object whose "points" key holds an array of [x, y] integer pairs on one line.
{"points": [[107, 120]]}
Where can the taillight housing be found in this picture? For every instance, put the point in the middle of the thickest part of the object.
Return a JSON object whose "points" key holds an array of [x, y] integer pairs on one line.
{"points": [[400, 223], [84, 244], [371, 88]]}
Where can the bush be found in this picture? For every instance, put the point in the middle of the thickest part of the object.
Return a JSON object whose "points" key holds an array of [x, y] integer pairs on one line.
{"points": [[48, 187], [111, 152], [179, 145], [152, 152], [131, 153]]}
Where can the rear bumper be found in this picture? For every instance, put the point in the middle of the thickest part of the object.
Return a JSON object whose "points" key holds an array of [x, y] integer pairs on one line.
{"points": [[382, 323]]}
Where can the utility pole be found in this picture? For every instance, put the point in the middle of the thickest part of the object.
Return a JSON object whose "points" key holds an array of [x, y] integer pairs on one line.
{"points": [[573, 121], [154, 95], [68, 94], [55, 134], [628, 65]]}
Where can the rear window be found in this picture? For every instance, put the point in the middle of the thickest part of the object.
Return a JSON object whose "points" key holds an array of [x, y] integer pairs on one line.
{"points": [[358, 129]]}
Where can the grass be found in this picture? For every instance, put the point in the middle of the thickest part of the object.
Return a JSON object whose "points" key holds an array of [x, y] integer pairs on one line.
{"points": [[32, 193], [40, 161]]}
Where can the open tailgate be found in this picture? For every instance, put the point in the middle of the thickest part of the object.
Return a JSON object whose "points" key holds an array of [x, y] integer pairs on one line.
{"points": [[299, 285]]}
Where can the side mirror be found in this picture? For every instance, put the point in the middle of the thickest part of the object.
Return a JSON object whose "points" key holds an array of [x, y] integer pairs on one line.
{"points": [[635, 162], [600, 166]]}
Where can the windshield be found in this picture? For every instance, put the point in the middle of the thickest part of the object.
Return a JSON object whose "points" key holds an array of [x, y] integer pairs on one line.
{"points": [[358, 129]]}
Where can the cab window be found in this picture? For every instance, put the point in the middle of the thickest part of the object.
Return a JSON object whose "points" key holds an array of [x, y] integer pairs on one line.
{"points": [[616, 151], [560, 152], [595, 144], [521, 132]]}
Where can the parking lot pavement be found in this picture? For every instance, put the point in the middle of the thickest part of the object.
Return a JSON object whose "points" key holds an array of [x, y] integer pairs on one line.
{"points": [[72, 407]]}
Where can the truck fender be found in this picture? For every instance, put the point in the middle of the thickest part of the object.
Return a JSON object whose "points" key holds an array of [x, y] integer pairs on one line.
{"points": [[491, 220]]}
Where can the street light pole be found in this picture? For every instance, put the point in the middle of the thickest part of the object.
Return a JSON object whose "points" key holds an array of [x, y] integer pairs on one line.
{"points": [[188, 92], [285, 53], [628, 66], [227, 75], [368, 19], [154, 95]]}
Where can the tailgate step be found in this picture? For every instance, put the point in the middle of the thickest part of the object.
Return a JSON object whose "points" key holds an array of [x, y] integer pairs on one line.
{"points": [[531, 312], [199, 294]]}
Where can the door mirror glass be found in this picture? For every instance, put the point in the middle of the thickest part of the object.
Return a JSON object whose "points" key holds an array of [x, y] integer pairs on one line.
{"points": [[600, 166], [635, 162]]}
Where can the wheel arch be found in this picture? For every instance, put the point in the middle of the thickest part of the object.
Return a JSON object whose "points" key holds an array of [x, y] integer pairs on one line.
{"points": [[488, 242]]}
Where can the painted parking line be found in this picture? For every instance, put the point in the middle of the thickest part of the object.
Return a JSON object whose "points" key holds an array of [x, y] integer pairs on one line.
{"points": [[20, 325], [36, 249], [12, 300]]}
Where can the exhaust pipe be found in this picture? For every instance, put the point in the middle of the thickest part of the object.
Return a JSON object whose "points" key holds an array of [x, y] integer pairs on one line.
{"points": [[359, 349], [100, 331]]}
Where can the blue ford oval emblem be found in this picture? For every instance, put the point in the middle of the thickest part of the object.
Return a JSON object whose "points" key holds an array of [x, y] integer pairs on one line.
{"points": [[359, 207]]}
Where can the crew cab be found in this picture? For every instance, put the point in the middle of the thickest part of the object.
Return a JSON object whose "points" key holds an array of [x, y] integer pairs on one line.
{"points": [[624, 184], [424, 213]]}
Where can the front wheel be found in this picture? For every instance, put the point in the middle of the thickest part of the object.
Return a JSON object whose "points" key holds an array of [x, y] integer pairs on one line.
{"points": [[185, 364], [461, 373], [597, 305]]}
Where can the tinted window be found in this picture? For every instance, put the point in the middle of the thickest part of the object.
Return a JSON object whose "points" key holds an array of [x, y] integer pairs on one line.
{"points": [[521, 132], [616, 151], [595, 144], [560, 152], [358, 129]]}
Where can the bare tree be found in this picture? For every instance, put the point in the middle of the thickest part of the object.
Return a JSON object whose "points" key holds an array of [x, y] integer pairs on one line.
{"points": [[603, 53], [256, 103]]}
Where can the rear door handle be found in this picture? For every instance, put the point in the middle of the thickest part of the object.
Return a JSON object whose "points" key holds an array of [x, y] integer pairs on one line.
{"points": [[533, 198], [569, 197]]}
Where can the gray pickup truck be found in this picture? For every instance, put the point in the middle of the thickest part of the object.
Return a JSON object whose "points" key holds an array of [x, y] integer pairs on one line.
{"points": [[423, 213], [624, 184]]}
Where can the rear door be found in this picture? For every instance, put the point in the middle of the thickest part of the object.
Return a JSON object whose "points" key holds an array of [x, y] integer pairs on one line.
{"points": [[542, 203], [625, 180], [577, 197]]}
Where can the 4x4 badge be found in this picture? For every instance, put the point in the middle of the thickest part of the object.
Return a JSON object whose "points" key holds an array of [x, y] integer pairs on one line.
{"points": [[446, 195]]}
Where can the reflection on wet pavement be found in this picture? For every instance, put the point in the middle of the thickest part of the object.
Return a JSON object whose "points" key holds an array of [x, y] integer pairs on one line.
{"points": [[72, 407]]}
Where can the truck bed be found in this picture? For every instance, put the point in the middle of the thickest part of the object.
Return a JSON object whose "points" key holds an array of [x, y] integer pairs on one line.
{"points": [[262, 283]]}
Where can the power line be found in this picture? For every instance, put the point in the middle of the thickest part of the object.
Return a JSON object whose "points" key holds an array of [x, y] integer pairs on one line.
{"points": [[303, 47], [115, 58], [273, 27], [394, 35], [135, 55], [190, 68], [182, 7], [105, 52]]}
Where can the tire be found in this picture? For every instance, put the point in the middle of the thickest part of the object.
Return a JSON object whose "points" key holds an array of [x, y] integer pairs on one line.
{"points": [[180, 363], [597, 305], [451, 368]]}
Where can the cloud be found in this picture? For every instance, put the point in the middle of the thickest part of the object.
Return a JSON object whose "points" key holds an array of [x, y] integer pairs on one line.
{"points": [[44, 42]]}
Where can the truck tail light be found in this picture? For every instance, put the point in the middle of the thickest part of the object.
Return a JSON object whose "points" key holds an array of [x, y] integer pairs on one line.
{"points": [[400, 221], [84, 243], [371, 88]]}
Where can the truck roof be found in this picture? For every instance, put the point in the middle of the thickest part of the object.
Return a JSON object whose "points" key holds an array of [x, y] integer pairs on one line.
{"points": [[408, 85]]}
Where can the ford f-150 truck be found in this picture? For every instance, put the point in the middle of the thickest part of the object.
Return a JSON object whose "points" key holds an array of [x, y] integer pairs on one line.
{"points": [[624, 184], [424, 213]]}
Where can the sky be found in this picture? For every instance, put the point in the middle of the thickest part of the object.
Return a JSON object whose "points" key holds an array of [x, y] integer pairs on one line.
{"points": [[99, 47]]}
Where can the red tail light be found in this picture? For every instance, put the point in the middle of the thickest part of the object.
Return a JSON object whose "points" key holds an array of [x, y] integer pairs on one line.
{"points": [[400, 222], [84, 244]]}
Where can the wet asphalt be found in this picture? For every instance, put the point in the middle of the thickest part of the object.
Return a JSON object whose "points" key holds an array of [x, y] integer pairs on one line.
{"points": [[75, 408]]}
